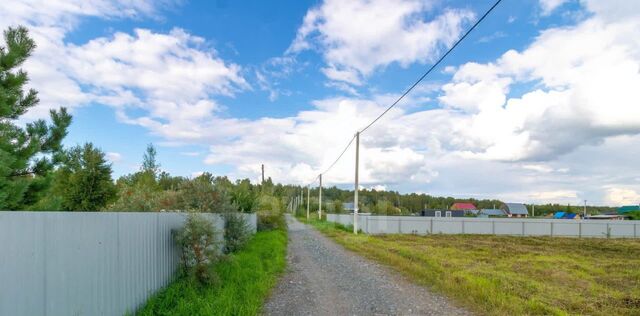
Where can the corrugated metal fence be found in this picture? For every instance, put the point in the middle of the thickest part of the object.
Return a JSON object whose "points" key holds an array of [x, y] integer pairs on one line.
{"points": [[421, 225], [74, 263]]}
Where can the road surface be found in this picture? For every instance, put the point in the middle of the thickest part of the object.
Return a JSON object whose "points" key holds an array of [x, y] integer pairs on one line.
{"points": [[322, 278]]}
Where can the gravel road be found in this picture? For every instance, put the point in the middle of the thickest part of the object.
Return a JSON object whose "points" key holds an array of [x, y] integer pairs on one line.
{"points": [[322, 278]]}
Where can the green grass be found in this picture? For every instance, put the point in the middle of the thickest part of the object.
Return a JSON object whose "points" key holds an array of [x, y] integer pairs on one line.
{"points": [[245, 280], [502, 275]]}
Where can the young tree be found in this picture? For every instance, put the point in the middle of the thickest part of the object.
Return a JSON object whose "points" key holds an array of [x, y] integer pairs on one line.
{"points": [[84, 180], [149, 163], [27, 154]]}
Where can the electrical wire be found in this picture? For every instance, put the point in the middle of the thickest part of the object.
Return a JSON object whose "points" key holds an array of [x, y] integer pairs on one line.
{"points": [[434, 65]]}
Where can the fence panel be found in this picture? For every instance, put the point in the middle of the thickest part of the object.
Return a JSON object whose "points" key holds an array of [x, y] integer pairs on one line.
{"points": [[76, 263], [377, 224]]}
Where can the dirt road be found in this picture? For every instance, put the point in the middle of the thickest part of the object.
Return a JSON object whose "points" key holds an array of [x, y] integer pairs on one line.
{"points": [[325, 279]]}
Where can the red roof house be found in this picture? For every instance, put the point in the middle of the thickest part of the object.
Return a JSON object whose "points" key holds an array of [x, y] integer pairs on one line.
{"points": [[463, 206]]}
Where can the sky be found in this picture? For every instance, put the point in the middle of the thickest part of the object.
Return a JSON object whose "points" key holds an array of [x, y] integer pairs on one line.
{"points": [[540, 104]]}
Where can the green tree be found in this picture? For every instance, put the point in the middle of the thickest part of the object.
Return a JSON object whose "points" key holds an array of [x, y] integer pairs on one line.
{"points": [[84, 180], [149, 163], [244, 197], [27, 155]]}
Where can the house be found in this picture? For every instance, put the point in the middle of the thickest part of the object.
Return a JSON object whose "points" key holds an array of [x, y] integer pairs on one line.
{"points": [[628, 208], [442, 213], [606, 217], [566, 215], [491, 212], [515, 209], [463, 206], [468, 208]]}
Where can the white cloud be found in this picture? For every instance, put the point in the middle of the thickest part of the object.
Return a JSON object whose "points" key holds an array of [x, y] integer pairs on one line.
{"points": [[623, 196], [113, 157], [548, 6], [358, 37], [583, 80]]}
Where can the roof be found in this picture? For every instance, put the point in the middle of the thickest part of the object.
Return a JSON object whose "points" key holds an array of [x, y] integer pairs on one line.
{"points": [[570, 216], [463, 206], [516, 208], [492, 212], [628, 208]]}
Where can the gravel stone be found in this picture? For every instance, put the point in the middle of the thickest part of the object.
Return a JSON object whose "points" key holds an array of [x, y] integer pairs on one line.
{"points": [[323, 278]]}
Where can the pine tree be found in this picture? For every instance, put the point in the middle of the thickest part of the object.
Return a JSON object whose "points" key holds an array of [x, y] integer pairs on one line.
{"points": [[27, 154]]}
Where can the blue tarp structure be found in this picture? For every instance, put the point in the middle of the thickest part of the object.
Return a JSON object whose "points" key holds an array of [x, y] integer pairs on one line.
{"points": [[558, 215], [569, 216]]}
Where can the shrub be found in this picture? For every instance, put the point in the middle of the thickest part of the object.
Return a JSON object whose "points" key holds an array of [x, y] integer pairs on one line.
{"points": [[236, 232], [202, 195], [199, 248], [271, 220]]}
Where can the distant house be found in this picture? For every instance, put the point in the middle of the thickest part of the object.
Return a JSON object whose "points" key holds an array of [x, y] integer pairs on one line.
{"points": [[515, 209], [463, 207], [442, 213], [606, 217], [566, 215], [628, 208], [491, 212]]}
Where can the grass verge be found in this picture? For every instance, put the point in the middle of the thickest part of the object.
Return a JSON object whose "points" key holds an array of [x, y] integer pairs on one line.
{"points": [[502, 275], [245, 280]]}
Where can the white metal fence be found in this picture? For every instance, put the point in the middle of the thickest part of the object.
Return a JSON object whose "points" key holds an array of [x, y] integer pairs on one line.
{"points": [[490, 226], [76, 263]]}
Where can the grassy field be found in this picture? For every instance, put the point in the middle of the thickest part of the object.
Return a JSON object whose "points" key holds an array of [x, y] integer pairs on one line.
{"points": [[246, 279], [502, 275]]}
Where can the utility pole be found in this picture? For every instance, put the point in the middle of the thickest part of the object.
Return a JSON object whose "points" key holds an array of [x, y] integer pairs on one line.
{"points": [[308, 200], [263, 173], [584, 215], [320, 199], [355, 191], [533, 210]]}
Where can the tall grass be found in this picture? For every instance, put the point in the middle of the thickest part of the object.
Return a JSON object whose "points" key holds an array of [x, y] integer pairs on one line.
{"points": [[502, 275], [245, 280]]}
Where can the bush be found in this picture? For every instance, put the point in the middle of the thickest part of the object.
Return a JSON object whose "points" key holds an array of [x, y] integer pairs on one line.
{"points": [[236, 232], [199, 248], [270, 220], [201, 194]]}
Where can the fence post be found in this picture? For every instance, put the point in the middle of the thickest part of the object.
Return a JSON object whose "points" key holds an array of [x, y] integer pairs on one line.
{"points": [[580, 229], [551, 229], [493, 227], [522, 228], [463, 226], [431, 228]]}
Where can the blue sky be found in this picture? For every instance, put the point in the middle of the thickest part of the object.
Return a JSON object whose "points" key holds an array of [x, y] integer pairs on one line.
{"points": [[223, 86]]}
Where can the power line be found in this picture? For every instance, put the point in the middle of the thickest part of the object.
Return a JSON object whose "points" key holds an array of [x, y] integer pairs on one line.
{"points": [[341, 154], [434, 65]]}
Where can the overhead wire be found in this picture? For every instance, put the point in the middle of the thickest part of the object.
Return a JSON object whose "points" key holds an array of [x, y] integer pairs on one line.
{"points": [[413, 85], [433, 66]]}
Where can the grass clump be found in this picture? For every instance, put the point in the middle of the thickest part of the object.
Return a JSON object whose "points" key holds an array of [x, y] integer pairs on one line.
{"points": [[244, 281], [503, 275]]}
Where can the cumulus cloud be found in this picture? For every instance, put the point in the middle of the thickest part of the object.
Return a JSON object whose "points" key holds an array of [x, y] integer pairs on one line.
{"points": [[358, 37], [582, 80], [113, 157], [623, 196]]}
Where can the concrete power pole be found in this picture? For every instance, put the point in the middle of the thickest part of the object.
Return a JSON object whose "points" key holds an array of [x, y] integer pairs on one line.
{"points": [[355, 191], [320, 199], [262, 173], [308, 200], [584, 215]]}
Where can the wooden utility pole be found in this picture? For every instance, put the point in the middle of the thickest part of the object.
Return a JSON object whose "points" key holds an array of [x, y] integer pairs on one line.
{"points": [[320, 199], [355, 190]]}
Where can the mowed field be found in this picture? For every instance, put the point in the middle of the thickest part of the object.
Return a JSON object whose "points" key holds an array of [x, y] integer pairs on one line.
{"points": [[501, 275]]}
